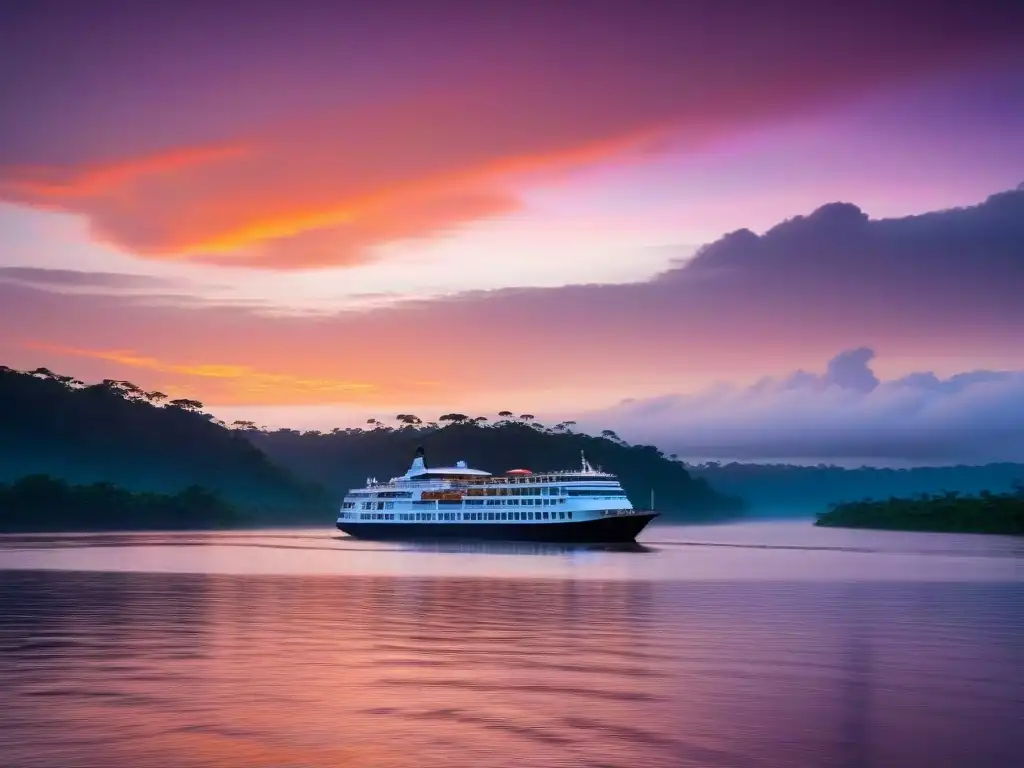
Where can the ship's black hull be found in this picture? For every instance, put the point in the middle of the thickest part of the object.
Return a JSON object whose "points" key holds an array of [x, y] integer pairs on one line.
{"points": [[604, 530]]}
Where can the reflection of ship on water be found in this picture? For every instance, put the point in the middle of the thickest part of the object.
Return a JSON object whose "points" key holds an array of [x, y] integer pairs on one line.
{"points": [[520, 547], [584, 505]]}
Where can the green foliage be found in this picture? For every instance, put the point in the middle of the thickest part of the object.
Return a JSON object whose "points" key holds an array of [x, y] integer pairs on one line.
{"points": [[41, 503], [947, 512]]}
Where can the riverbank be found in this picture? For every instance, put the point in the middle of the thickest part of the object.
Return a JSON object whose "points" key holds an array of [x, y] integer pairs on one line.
{"points": [[946, 513], [41, 503]]}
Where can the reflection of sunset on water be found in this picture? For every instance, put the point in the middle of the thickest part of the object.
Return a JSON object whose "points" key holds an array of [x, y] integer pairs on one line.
{"points": [[168, 670]]}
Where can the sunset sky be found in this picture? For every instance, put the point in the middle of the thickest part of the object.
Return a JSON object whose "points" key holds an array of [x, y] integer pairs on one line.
{"points": [[310, 213]]}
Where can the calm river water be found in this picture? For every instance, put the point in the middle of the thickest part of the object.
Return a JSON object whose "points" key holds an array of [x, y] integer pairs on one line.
{"points": [[748, 645]]}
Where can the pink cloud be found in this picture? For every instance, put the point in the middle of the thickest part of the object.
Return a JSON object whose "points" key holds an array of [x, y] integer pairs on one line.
{"points": [[298, 176], [941, 286]]}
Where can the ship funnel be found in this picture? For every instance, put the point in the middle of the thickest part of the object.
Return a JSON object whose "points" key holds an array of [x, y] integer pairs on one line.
{"points": [[419, 465]]}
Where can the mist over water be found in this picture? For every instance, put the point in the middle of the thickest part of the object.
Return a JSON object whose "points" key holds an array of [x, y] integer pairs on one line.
{"points": [[726, 646]]}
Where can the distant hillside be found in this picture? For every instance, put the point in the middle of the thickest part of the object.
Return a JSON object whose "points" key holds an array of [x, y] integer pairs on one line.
{"points": [[786, 489], [344, 459], [114, 432]]}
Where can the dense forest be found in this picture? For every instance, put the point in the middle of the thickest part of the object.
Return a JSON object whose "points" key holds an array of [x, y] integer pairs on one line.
{"points": [[114, 432], [41, 502], [345, 458], [794, 490], [947, 513], [117, 433]]}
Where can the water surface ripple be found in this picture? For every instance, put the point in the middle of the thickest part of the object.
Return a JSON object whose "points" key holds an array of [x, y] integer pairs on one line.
{"points": [[719, 647]]}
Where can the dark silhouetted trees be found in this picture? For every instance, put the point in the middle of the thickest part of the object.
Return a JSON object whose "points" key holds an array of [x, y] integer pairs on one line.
{"points": [[344, 460], [44, 503], [947, 513], [108, 433]]}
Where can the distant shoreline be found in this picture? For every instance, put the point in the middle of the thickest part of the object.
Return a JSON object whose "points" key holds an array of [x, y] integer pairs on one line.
{"points": [[986, 513]]}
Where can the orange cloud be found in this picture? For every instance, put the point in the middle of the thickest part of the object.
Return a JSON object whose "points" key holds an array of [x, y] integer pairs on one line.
{"points": [[356, 160], [65, 184], [311, 194], [239, 382]]}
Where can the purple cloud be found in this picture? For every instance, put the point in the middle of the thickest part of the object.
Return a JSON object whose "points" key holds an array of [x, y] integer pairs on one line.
{"points": [[845, 413], [59, 279]]}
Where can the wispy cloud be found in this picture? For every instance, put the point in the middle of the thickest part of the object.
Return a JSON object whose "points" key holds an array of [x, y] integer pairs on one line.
{"points": [[245, 383], [58, 279], [60, 185]]}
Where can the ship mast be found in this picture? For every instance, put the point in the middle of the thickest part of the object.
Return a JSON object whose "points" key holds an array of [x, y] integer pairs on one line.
{"points": [[585, 464]]}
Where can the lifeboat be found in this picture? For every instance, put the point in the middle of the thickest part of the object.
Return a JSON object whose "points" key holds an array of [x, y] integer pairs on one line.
{"points": [[519, 472]]}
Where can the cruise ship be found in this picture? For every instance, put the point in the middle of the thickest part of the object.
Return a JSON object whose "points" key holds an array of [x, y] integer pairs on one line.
{"points": [[584, 505]]}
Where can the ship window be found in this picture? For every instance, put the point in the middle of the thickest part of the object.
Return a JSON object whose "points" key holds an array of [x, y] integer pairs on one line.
{"points": [[545, 515], [504, 515], [570, 515], [561, 515]]}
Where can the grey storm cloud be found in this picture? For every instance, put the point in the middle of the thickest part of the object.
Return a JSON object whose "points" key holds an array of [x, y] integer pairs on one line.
{"points": [[844, 413]]}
